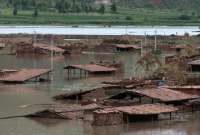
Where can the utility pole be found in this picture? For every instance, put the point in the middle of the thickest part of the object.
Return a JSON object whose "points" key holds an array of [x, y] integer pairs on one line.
{"points": [[145, 39], [155, 47], [126, 30], [141, 49], [52, 42], [34, 42]]}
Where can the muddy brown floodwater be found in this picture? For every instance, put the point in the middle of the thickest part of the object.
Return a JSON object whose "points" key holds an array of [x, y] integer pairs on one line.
{"points": [[26, 98]]}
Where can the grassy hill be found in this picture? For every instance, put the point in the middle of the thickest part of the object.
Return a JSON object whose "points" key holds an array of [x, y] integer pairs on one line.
{"points": [[167, 4], [75, 12]]}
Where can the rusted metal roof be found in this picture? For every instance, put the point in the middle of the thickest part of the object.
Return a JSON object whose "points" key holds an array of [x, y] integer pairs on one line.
{"points": [[64, 111], [24, 75], [125, 46], [73, 108], [147, 109], [179, 47], [75, 93], [49, 48], [164, 95], [106, 111], [195, 62], [189, 87], [92, 68]]}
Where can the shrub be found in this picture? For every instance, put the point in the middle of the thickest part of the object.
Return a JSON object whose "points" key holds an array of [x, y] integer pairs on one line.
{"points": [[184, 17], [128, 18]]}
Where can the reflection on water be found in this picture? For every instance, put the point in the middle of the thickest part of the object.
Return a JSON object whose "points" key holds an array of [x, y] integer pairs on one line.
{"points": [[25, 98]]}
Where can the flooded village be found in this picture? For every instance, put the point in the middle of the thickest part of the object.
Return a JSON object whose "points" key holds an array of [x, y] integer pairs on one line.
{"points": [[99, 85]]}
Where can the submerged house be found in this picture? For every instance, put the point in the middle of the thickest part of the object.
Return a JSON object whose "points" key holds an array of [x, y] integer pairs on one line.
{"points": [[107, 116], [161, 95], [84, 96], [48, 49], [126, 47], [2, 45], [23, 75], [179, 48], [194, 66], [131, 113], [145, 112], [88, 69]]}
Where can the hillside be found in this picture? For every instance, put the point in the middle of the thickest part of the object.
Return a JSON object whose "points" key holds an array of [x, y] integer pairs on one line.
{"points": [[124, 12], [168, 4]]}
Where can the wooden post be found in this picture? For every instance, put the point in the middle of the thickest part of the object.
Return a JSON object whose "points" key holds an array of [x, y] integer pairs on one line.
{"points": [[74, 71], [127, 119], [68, 73], [36, 79], [48, 76], [152, 101], [192, 108], [80, 73], [85, 74]]}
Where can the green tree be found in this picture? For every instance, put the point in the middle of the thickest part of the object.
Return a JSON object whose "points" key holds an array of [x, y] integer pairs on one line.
{"points": [[113, 8], [15, 10], [35, 13], [102, 9], [86, 8], [60, 6]]}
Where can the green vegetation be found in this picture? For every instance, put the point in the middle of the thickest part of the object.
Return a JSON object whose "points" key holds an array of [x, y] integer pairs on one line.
{"points": [[75, 12]]}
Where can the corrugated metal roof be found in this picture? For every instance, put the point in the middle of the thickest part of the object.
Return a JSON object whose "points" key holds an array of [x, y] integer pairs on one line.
{"points": [[195, 62], [49, 48], [24, 75], [163, 94], [92, 68], [147, 109]]}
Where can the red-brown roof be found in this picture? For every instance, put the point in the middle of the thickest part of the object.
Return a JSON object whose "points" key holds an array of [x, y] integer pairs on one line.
{"points": [[23, 75], [195, 62], [147, 109], [165, 95], [92, 68], [189, 87], [49, 48]]}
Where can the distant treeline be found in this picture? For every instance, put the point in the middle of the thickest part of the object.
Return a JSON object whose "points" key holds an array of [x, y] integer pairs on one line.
{"points": [[61, 6], [90, 6], [79, 5], [166, 4]]}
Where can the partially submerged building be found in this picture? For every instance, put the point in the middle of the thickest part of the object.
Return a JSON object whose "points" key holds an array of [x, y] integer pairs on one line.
{"points": [[132, 113], [145, 112], [179, 48], [107, 116], [91, 95], [189, 89], [64, 111], [23, 75], [48, 49], [194, 66], [88, 69], [127, 47], [161, 95]]}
